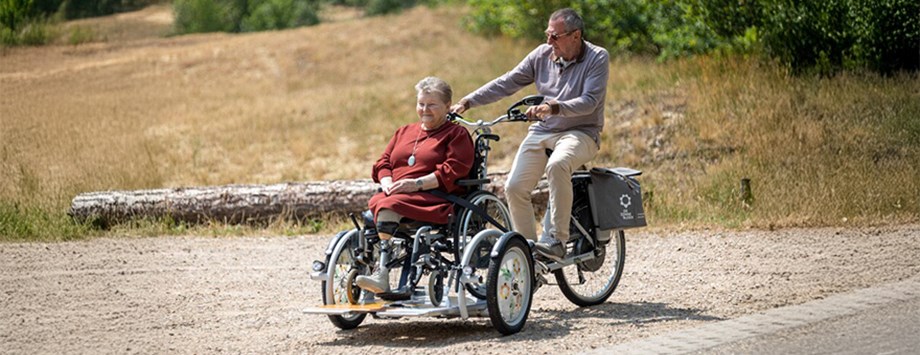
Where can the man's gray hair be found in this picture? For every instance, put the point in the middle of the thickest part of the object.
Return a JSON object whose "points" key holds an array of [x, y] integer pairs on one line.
{"points": [[571, 19], [435, 85]]}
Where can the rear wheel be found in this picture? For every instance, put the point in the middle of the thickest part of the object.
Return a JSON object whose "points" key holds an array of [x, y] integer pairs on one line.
{"points": [[510, 287], [471, 223], [340, 288], [585, 287]]}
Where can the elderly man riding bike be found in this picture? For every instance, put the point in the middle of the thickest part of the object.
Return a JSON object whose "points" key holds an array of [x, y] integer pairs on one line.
{"points": [[572, 74]]}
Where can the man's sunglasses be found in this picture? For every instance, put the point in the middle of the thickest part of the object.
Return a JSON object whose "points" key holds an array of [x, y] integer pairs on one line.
{"points": [[556, 37]]}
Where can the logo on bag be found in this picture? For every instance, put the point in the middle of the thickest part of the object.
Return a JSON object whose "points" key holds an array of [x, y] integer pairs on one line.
{"points": [[625, 201]]}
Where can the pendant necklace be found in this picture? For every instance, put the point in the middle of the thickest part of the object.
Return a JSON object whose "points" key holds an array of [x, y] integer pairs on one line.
{"points": [[412, 157]]}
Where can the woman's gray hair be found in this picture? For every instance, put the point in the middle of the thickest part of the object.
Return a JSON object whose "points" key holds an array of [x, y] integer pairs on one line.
{"points": [[571, 19], [435, 85]]}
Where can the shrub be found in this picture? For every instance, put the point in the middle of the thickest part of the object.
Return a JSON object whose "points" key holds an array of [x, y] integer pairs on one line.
{"points": [[382, 7], [73, 9], [195, 16], [823, 36], [887, 34], [243, 15], [20, 24], [31, 33], [280, 14]]}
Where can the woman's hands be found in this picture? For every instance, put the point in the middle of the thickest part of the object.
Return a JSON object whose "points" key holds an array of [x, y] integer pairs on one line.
{"points": [[402, 186]]}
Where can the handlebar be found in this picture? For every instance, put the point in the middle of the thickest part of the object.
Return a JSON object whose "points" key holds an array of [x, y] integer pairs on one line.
{"points": [[513, 114], [454, 117]]}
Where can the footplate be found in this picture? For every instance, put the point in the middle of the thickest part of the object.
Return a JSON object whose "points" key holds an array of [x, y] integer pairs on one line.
{"points": [[401, 309], [340, 309]]}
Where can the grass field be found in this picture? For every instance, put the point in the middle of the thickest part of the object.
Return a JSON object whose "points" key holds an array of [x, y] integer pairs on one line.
{"points": [[131, 109]]}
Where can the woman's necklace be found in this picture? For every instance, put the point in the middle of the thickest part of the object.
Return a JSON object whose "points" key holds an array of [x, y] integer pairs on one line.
{"points": [[412, 157]]}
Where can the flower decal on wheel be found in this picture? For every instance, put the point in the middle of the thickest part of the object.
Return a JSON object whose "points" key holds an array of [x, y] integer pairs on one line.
{"points": [[505, 291]]}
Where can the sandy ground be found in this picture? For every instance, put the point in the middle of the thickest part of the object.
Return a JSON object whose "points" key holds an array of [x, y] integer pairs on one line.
{"points": [[209, 295]]}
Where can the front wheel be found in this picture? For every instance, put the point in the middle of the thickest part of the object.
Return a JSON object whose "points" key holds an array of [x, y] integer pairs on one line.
{"points": [[586, 287], [510, 287], [340, 288]]}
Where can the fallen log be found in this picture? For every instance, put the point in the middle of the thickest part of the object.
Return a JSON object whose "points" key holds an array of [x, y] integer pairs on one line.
{"points": [[244, 203]]}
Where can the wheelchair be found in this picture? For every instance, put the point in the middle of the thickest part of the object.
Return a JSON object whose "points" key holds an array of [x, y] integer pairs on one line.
{"points": [[474, 266]]}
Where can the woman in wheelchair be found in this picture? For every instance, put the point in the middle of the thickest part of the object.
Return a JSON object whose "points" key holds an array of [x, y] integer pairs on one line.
{"points": [[429, 154]]}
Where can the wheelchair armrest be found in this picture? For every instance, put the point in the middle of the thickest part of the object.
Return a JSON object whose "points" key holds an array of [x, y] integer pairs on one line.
{"points": [[472, 182]]}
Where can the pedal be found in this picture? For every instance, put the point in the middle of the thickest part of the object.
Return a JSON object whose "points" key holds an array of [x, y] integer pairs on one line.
{"points": [[402, 295]]}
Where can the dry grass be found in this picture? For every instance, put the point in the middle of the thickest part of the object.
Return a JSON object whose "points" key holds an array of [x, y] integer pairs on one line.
{"points": [[140, 111], [819, 151]]}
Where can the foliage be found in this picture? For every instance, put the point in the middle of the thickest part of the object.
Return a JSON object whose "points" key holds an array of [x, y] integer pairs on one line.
{"points": [[382, 7], [194, 16], [28, 22], [279, 14], [73, 9], [824, 35], [20, 25]]}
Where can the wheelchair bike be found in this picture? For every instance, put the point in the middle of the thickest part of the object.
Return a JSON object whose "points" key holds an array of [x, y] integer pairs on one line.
{"points": [[476, 266]]}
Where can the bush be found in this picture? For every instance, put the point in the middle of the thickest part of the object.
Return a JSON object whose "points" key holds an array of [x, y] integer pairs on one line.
{"points": [[280, 14], [887, 34], [34, 32], [74, 9], [382, 7], [20, 24], [814, 35], [194, 16]]}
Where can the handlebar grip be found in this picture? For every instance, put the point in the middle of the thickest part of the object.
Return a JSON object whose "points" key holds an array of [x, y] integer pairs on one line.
{"points": [[518, 117], [453, 116], [489, 136]]}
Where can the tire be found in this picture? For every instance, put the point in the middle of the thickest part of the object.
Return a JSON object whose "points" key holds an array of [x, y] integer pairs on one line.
{"points": [[510, 287], [344, 269], [435, 288], [471, 223], [598, 285]]}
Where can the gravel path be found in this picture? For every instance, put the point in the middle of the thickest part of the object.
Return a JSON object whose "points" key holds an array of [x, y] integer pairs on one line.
{"points": [[207, 295]]}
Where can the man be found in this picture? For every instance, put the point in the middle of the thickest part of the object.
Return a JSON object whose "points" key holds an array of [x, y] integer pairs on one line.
{"points": [[572, 74]]}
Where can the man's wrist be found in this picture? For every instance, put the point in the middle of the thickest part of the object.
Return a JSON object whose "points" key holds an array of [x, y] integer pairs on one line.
{"points": [[419, 183]]}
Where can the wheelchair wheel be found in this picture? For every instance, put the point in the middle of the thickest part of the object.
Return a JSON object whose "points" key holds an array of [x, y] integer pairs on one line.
{"points": [[510, 287], [435, 288], [471, 223], [588, 288], [339, 288]]}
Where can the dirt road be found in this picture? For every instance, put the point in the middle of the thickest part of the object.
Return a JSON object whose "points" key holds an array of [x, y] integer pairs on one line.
{"points": [[209, 295]]}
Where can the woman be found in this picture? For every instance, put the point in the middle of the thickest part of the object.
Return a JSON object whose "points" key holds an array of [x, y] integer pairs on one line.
{"points": [[429, 154]]}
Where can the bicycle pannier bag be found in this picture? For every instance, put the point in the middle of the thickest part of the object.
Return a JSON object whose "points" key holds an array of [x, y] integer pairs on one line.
{"points": [[616, 200]]}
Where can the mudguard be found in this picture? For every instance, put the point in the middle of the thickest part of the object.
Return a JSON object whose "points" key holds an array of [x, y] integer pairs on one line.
{"points": [[504, 239]]}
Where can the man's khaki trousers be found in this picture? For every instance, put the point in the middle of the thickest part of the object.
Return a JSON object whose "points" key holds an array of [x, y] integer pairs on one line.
{"points": [[571, 149]]}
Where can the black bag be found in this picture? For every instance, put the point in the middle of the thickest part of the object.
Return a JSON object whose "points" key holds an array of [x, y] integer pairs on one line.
{"points": [[616, 199]]}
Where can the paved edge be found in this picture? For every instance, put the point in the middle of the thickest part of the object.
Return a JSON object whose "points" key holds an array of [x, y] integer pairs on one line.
{"points": [[770, 321]]}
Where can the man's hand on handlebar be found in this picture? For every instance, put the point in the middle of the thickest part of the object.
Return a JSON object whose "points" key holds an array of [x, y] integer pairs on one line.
{"points": [[459, 107], [538, 113]]}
